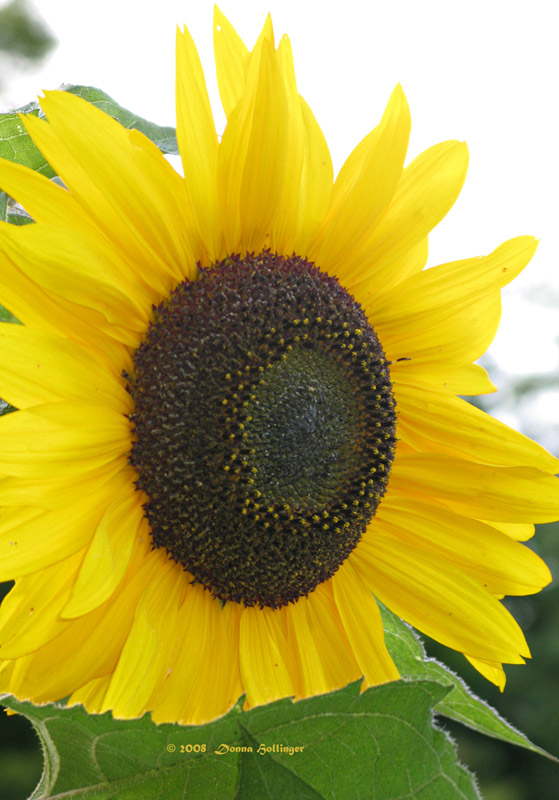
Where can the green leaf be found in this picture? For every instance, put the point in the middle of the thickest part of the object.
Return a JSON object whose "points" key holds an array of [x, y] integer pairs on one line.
{"points": [[267, 779], [164, 137], [460, 703], [7, 316], [341, 746], [16, 144]]}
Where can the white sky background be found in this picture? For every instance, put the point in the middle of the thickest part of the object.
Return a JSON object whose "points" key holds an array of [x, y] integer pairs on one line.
{"points": [[483, 72]]}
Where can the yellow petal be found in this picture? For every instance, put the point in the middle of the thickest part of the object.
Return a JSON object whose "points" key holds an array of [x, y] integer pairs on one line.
{"points": [[31, 540], [91, 695], [448, 424], [428, 189], [251, 161], [330, 639], [439, 600], [198, 687], [464, 379], [35, 307], [72, 438], [88, 646], [72, 272], [263, 657], [144, 662], [491, 670], [312, 677], [492, 558], [124, 184], [363, 624], [315, 185], [30, 614], [519, 531], [197, 140], [364, 188], [43, 199], [52, 492], [461, 339], [106, 559], [38, 367], [518, 494], [231, 58], [434, 295]]}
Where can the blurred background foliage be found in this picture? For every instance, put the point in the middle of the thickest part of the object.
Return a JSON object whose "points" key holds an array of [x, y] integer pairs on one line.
{"points": [[22, 34], [531, 698], [24, 39]]}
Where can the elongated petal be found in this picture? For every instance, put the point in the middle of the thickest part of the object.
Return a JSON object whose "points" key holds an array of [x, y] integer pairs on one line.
{"points": [[31, 540], [428, 189], [263, 653], [440, 601], [463, 379], [38, 308], [74, 438], [89, 646], [435, 295], [199, 685], [491, 670], [146, 204], [515, 494], [494, 559], [107, 557], [43, 199], [38, 367], [197, 139], [252, 156], [315, 186], [361, 618], [147, 654], [448, 424], [30, 614], [231, 58], [51, 492], [365, 188]]}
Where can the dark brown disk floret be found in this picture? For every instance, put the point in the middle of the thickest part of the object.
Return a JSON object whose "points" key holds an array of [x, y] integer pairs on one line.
{"points": [[265, 427]]}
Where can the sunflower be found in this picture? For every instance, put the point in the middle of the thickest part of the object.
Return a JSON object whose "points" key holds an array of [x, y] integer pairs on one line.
{"points": [[238, 417]]}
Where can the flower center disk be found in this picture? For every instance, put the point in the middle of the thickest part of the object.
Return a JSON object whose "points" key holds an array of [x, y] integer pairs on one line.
{"points": [[264, 427]]}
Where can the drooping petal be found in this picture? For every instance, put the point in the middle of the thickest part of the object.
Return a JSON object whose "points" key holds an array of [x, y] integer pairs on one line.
{"points": [[440, 601], [264, 658], [200, 686], [107, 557], [362, 621], [495, 560]]}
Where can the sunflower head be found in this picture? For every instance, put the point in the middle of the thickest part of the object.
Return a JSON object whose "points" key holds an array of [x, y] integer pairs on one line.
{"points": [[290, 434]]}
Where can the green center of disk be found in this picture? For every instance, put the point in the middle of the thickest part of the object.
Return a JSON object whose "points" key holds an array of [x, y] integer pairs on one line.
{"points": [[264, 422]]}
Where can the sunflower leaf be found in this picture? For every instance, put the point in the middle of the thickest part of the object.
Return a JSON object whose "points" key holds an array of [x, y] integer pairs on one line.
{"points": [[341, 746], [164, 137], [16, 144], [460, 704]]}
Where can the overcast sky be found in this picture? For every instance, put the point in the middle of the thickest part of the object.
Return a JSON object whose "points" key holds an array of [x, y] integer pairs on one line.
{"points": [[484, 72]]}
